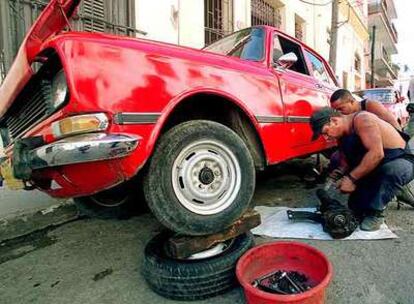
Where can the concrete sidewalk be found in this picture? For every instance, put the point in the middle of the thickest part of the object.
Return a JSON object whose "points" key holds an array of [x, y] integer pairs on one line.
{"points": [[22, 212], [14, 203]]}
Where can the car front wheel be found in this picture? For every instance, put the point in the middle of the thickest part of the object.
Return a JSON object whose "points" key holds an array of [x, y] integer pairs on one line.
{"points": [[201, 178]]}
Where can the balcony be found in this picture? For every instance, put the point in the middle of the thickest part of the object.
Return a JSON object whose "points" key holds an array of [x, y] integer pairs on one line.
{"points": [[358, 7], [385, 12], [385, 69], [394, 29]]}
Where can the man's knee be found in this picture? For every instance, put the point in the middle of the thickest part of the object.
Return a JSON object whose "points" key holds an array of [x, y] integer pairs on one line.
{"points": [[398, 172]]}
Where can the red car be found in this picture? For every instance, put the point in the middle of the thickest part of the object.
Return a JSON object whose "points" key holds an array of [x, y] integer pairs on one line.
{"points": [[391, 99], [83, 114]]}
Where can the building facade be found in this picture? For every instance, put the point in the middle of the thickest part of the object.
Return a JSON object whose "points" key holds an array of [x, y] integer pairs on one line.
{"points": [[17, 16], [384, 39], [352, 45], [196, 23]]}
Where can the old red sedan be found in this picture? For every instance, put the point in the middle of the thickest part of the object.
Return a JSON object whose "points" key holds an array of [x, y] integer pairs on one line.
{"points": [[83, 114]]}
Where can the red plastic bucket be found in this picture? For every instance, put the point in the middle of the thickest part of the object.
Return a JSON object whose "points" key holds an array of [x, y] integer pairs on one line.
{"points": [[289, 256]]}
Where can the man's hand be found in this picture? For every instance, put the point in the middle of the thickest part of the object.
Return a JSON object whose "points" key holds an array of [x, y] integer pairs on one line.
{"points": [[346, 185], [337, 174]]}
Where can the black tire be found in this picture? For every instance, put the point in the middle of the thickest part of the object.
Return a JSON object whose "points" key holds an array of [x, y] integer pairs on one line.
{"points": [[189, 280], [127, 200], [158, 184]]}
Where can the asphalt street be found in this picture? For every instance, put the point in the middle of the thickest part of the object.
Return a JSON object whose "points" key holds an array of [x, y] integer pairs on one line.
{"points": [[99, 261]]}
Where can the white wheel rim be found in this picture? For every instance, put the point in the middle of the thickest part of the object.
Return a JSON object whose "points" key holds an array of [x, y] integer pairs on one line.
{"points": [[212, 252], [206, 177], [108, 204]]}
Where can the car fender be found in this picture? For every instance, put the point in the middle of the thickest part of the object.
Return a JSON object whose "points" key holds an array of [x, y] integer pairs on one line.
{"points": [[177, 100]]}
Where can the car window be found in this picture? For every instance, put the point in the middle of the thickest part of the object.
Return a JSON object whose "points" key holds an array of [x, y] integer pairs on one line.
{"points": [[282, 46], [246, 44], [332, 79], [318, 69]]}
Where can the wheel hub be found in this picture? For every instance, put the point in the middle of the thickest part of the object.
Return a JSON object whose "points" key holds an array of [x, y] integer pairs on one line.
{"points": [[206, 176]]}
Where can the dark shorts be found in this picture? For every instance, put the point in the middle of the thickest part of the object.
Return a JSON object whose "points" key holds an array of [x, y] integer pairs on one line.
{"points": [[377, 189]]}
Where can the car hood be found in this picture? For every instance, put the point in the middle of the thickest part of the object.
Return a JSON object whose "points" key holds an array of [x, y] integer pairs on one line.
{"points": [[51, 21]]}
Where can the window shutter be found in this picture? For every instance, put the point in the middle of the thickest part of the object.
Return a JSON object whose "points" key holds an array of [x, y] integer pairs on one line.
{"points": [[93, 15]]}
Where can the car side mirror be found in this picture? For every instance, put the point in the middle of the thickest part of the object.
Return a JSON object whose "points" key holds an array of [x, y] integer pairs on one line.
{"points": [[287, 60]]}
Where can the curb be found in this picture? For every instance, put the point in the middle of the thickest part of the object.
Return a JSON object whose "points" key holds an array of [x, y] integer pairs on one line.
{"points": [[23, 224]]}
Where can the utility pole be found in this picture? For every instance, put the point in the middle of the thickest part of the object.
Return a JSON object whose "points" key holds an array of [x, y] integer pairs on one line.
{"points": [[334, 34], [374, 28]]}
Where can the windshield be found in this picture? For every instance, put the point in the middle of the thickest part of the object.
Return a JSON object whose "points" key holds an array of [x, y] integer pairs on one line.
{"points": [[383, 96], [246, 44]]}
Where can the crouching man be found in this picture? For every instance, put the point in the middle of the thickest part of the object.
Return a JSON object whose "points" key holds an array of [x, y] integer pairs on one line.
{"points": [[378, 164]]}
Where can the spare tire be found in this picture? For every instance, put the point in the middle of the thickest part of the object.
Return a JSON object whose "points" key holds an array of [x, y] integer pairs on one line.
{"points": [[192, 279]]}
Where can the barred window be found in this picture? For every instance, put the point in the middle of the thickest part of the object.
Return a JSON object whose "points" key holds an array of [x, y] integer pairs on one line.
{"points": [[218, 19], [115, 17], [299, 28], [263, 13], [357, 63]]}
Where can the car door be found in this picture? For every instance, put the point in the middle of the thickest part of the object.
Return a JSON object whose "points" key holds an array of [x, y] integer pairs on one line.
{"points": [[301, 92]]}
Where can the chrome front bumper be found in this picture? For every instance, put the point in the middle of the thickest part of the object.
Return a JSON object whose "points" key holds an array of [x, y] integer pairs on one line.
{"points": [[81, 149]]}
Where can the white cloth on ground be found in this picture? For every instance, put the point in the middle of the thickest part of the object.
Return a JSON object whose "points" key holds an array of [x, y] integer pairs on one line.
{"points": [[275, 223]]}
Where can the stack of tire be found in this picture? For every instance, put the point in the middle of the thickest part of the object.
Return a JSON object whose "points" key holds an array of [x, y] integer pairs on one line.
{"points": [[199, 181], [188, 144], [192, 279]]}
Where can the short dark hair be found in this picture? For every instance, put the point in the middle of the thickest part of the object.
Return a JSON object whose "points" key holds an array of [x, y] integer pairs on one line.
{"points": [[340, 94], [321, 118]]}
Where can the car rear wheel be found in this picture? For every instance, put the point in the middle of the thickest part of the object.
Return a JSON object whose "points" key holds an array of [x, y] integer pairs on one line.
{"points": [[120, 202], [201, 178]]}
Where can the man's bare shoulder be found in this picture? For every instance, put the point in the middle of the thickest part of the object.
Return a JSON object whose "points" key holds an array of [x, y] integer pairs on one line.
{"points": [[375, 106], [364, 120]]}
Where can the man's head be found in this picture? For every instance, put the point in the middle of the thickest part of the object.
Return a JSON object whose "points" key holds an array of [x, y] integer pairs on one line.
{"points": [[342, 101], [328, 123]]}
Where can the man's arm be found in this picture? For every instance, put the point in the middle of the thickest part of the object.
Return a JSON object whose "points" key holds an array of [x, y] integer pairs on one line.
{"points": [[378, 109], [370, 133]]}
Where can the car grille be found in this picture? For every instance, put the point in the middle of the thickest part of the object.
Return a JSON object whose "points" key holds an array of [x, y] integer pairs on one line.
{"points": [[30, 107]]}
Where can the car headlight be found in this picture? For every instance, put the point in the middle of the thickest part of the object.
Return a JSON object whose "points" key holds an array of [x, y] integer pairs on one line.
{"points": [[79, 124], [59, 90]]}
